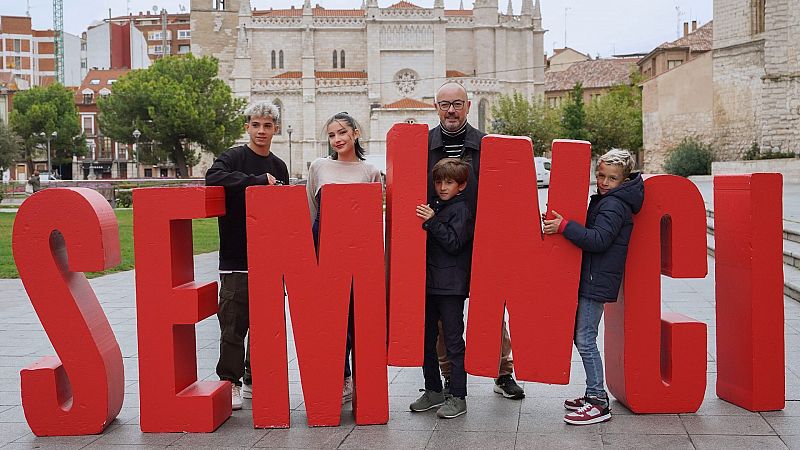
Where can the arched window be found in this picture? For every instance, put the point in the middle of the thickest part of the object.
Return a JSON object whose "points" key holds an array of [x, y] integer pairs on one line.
{"points": [[335, 59], [274, 66], [482, 106], [278, 122], [341, 59], [280, 59]]}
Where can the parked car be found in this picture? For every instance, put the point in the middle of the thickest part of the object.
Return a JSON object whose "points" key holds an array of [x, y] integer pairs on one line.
{"points": [[542, 171]]}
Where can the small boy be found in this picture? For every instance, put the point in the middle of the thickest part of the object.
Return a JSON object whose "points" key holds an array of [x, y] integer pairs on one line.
{"points": [[450, 226], [604, 241]]}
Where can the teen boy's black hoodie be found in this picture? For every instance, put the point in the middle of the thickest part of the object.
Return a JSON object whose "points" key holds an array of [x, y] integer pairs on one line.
{"points": [[449, 253], [604, 240]]}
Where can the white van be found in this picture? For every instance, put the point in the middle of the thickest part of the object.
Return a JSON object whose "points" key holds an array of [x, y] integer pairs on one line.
{"points": [[542, 171]]}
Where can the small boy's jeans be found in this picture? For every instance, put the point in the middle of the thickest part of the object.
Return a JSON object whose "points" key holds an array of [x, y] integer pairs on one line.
{"points": [[450, 310], [587, 321]]}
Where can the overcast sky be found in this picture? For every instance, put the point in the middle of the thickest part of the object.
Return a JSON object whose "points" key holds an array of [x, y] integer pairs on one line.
{"points": [[595, 27]]}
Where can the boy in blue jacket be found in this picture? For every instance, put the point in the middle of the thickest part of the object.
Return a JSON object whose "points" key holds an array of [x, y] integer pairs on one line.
{"points": [[604, 241], [450, 226]]}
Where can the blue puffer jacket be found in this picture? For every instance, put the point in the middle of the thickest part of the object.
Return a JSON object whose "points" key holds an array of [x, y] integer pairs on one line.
{"points": [[604, 240]]}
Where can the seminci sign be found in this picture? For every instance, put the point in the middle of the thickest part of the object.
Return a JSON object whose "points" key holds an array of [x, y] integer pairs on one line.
{"points": [[61, 233]]}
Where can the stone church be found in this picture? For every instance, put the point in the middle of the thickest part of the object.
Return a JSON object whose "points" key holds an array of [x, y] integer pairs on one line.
{"points": [[381, 65]]}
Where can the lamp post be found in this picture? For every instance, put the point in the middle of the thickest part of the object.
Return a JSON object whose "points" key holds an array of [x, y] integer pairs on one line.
{"points": [[49, 138], [289, 131], [136, 135]]}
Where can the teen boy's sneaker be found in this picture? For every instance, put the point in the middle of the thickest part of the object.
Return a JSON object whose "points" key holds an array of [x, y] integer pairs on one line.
{"points": [[428, 400], [236, 397], [247, 391], [576, 404], [509, 388], [452, 407], [594, 411], [347, 390]]}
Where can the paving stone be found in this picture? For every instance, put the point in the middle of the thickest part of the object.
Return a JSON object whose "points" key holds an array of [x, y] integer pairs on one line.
{"points": [[733, 425], [737, 442]]}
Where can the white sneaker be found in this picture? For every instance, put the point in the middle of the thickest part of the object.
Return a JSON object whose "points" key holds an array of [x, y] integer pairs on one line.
{"points": [[247, 391], [347, 390], [236, 397]]}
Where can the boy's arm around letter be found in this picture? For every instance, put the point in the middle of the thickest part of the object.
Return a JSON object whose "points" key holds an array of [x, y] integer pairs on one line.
{"points": [[599, 236]]}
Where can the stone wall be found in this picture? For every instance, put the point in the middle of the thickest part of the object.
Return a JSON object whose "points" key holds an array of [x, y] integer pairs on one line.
{"points": [[676, 105]]}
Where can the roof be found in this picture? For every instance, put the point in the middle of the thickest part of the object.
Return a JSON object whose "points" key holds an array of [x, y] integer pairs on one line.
{"points": [[408, 103], [102, 77], [699, 40], [403, 4], [457, 12], [455, 74], [317, 11], [324, 74], [593, 74]]}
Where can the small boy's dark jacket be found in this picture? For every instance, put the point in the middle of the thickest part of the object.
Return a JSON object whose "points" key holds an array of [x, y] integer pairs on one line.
{"points": [[449, 256], [604, 240]]}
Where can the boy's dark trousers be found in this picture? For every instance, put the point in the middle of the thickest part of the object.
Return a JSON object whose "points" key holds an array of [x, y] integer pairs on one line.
{"points": [[450, 310], [234, 322]]}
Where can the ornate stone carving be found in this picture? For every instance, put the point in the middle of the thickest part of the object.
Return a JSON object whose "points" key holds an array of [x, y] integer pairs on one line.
{"points": [[406, 82]]}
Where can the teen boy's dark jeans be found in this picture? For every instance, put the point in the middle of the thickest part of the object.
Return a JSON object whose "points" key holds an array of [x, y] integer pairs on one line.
{"points": [[234, 321], [450, 310]]}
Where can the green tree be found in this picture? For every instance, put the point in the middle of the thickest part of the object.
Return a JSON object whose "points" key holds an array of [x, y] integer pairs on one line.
{"points": [[515, 115], [176, 102], [10, 146], [573, 120], [45, 110], [615, 120]]}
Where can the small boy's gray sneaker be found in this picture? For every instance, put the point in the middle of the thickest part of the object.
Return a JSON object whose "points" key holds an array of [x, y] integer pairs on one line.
{"points": [[453, 407], [428, 400]]}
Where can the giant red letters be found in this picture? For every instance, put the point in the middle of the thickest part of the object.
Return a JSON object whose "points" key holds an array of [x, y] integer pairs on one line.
{"points": [[512, 265], [281, 251], [748, 248], [168, 304], [406, 187], [656, 363], [58, 235]]}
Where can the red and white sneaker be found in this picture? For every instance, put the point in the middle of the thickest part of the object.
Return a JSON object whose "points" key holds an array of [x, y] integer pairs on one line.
{"points": [[576, 404], [592, 412]]}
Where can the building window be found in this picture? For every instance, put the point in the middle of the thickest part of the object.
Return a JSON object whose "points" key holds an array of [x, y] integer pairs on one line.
{"points": [[280, 59], [341, 59], [673, 63], [94, 82], [274, 66], [17, 45], [335, 60], [219, 5], [759, 16], [148, 173], [184, 34], [155, 36], [88, 129], [87, 99], [184, 49], [83, 46], [83, 64], [18, 62]]}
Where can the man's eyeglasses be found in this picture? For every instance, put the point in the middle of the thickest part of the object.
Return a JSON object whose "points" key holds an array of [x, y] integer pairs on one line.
{"points": [[458, 105]]}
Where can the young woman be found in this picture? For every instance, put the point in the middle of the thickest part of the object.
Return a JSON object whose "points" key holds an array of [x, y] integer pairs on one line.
{"points": [[346, 165]]}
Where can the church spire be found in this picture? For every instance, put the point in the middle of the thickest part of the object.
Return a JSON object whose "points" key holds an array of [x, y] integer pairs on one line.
{"points": [[438, 3], [510, 11], [537, 10], [461, 5], [527, 7]]}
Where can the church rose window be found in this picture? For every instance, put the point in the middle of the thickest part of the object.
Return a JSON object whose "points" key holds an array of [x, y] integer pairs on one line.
{"points": [[406, 82]]}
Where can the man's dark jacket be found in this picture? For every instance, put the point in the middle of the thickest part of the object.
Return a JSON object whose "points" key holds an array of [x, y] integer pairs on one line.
{"points": [[471, 155], [604, 240], [449, 251]]}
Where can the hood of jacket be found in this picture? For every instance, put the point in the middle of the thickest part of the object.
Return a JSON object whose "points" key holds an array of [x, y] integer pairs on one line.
{"points": [[631, 192]]}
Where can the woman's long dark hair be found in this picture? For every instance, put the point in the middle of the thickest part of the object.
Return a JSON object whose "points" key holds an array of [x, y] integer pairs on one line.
{"points": [[345, 119]]}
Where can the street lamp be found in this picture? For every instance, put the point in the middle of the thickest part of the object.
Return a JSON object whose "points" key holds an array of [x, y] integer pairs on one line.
{"points": [[49, 138], [289, 131], [136, 135]]}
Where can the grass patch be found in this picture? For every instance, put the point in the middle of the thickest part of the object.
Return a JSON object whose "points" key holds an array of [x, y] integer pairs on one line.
{"points": [[204, 232]]}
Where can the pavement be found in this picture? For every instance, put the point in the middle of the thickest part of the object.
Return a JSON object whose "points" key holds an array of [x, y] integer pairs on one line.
{"points": [[492, 421]]}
